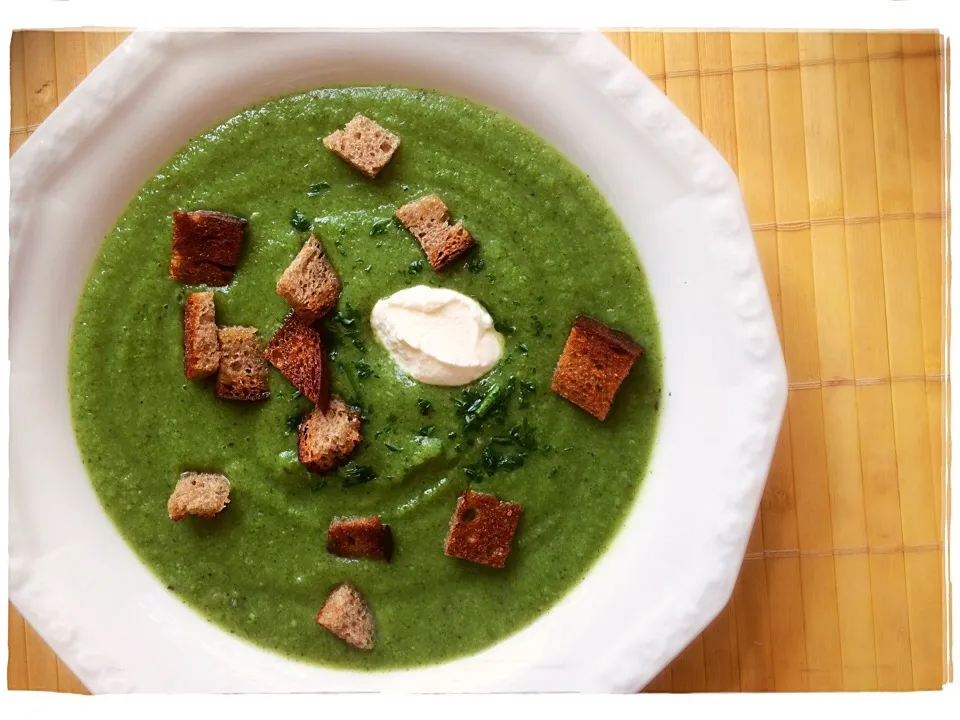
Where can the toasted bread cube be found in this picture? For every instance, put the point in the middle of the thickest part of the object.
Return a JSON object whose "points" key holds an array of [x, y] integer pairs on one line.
{"points": [[482, 529], [427, 219], [364, 144], [206, 247], [200, 494], [595, 361], [243, 370], [296, 350], [326, 439], [310, 285], [201, 339], [364, 537], [346, 615]]}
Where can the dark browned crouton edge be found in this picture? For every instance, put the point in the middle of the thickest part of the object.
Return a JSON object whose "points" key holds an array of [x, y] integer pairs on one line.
{"points": [[364, 537], [206, 247], [296, 350], [595, 361], [482, 529]]}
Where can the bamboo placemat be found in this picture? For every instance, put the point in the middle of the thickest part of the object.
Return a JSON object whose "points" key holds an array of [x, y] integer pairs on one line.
{"points": [[838, 142]]}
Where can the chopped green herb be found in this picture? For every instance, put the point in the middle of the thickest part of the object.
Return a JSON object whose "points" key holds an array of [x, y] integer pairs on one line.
{"points": [[425, 431], [339, 246], [296, 394], [537, 325], [490, 401], [425, 406], [475, 264], [317, 188], [404, 187], [354, 474], [363, 369], [368, 268], [415, 267], [522, 347], [345, 322], [299, 221], [391, 447], [474, 472], [293, 423], [380, 226], [391, 421], [526, 390], [452, 435], [353, 383], [504, 326]]}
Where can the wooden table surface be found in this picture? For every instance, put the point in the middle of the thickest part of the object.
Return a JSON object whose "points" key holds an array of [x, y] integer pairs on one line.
{"points": [[838, 143]]}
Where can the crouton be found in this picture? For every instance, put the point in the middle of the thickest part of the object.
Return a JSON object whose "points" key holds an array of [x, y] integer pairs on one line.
{"points": [[364, 537], [201, 340], [200, 494], [326, 439], [206, 247], [482, 529], [310, 285], [594, 363], [296, 350], [427, 219], [243, 370], [346, 615], [364, 145]]}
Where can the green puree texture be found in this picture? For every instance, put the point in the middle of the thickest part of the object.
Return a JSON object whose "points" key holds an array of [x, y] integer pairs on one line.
{"points": [[550, 248]]}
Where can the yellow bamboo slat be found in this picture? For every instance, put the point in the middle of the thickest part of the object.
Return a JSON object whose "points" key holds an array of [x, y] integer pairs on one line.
{"points": [[869, 331], [831, 439], [71, 62], [16, 651], [67, 682], [905, 328], [681, 65], [18, 94], [41, 662], [838, 143]]}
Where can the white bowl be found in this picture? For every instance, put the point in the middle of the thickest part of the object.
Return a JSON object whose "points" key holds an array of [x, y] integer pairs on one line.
{"points": [[667, 573]]}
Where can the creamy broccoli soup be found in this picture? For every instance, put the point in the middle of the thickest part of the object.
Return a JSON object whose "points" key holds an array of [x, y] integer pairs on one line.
{"points": [[548, 249]]}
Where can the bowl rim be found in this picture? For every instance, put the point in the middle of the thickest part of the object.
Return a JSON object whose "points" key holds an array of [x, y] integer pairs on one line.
{"points": [[742, 401]]}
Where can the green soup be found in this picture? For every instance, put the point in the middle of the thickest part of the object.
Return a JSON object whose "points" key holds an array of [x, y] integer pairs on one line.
{"points": [[549, 248]]}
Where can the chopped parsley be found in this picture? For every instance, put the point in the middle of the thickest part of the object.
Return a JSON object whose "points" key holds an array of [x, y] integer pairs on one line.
{"points": [[415, 267], [317, 188], [363, 369], [391, 447], [425, 431], [380, 226], [425, 406], [345, 323], [475, 264], [354, 474], [537, 325], [299, 221], [526, 390]]}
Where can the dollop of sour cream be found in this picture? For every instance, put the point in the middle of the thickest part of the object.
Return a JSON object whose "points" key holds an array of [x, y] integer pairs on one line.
{"points": [[437, 336]]}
